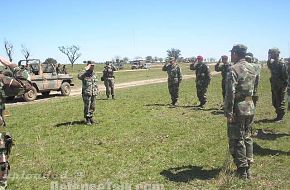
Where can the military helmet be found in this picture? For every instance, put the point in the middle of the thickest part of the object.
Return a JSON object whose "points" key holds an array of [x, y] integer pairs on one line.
{"points": [[171, 58], [224, 57], [239, 48], [275, 51]]}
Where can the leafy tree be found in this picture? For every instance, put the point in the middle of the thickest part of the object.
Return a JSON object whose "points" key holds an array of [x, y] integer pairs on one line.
{"points": [[160, 59], [71, 52], [50, 61], [126, 59], [176, 53], [149, 59], [9, 49]]}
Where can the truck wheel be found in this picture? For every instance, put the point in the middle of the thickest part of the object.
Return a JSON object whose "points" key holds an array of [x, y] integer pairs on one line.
{"points": [[30, 95], [46, 94], [65, 89]]}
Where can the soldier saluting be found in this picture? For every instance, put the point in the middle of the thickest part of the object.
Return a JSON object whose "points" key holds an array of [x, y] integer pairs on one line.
{"points": [[174, 79], [89, 91], [224, 69], [109, 80], [279, 82], [202, 79]]}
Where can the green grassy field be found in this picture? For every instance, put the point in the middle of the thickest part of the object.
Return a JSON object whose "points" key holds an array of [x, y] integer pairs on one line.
{"points": [[141, 140], [127, 76]]}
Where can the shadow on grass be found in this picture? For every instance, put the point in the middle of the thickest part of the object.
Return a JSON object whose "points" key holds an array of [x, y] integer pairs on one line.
{"points": [[217, 112], [269, 135], [265, 121], [189, 173], [70, 123], [158, 105], [258, 150]]}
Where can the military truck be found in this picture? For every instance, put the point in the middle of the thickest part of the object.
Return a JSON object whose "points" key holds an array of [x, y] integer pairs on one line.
{"points": [[44, 79], [137, 64]]}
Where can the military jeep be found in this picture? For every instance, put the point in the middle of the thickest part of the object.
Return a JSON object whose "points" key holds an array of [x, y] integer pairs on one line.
{"points": [[44, 79]]}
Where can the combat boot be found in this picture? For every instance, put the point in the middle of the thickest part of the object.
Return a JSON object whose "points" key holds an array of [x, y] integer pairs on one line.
{"points": [[113, 97], [242, 173], [279, 118], [92, 120], [88, 121], [249, 173], [108, 97]]}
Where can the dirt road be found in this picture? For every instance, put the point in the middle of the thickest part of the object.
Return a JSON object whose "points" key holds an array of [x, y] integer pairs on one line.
{"points": [[77, 91]]}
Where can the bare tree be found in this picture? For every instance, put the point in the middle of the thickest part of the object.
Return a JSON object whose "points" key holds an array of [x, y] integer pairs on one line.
{"points": [[71, 52], [9, 49], [25, 52]]}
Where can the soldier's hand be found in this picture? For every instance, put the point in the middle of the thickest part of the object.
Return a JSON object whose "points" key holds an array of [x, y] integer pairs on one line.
{"points": [[230, 119]]}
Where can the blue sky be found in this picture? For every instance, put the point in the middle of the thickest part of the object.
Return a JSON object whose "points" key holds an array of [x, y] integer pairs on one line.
{"points": [[106, 28]]}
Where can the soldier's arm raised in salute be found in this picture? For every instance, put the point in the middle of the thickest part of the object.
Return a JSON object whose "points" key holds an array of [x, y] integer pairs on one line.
{"points": [[217, 67], [164, 68]]}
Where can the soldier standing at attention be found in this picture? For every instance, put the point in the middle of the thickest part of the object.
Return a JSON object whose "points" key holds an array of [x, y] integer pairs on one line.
{"points": [[224, 69], [89, 91], [202, 79], [239, 110], [279, 82], [174, 79], [109, 80]]}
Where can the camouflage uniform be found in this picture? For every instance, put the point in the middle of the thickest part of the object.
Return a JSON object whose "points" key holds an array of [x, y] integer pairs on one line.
{"points": [[109, 80], [5, 149], [288, 67], [240, 108], [202, 80], [250, 59], [279, 83], [89, 93], [224, 69], [174, 79]]}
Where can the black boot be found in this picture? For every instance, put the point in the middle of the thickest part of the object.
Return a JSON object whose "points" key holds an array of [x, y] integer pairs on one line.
{"points": [[279, 118], [88, 121], [113, 97], [92, 121], [242, 172], [249, 173]]}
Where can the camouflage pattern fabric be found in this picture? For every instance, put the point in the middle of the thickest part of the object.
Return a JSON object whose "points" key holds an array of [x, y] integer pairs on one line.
{"points": [[224, 68], [202, 80], [89, 92], [174, 79], [239, 105], [279, 83], [5, 149], [109, 80], [257, 66]]}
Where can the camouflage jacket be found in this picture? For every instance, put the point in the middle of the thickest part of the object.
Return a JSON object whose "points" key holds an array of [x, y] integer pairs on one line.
{"points": [[108, 71], [279, 73], [257, 66], [224, 68], [174, 73], [239, 90], [202, 72], [89, 83]]}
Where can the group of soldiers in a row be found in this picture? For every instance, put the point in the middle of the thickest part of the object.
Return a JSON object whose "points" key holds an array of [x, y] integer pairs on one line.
{"points": [[240, 80]]}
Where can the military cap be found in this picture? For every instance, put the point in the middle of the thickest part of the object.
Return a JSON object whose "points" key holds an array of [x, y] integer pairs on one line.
{"points": [[199, 57], [239, 48], [274, 51], [171, 58]]}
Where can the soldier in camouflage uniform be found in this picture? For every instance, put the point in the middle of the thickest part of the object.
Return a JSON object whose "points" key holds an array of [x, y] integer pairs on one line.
{"points": [[5, 137], [224, 69], [239, 110], [89, 91], [279, 82], [202, 79], [109, 80], [174, 79], [251, 59], [288, 68]]}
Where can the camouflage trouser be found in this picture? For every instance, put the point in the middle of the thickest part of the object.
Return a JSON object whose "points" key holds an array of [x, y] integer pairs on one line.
{"points": [[201, 90], [89, 105], [278, 100], [5, 167], [110, 86], [240, 141], [2, 108], [173, 90], [224, 89]]}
